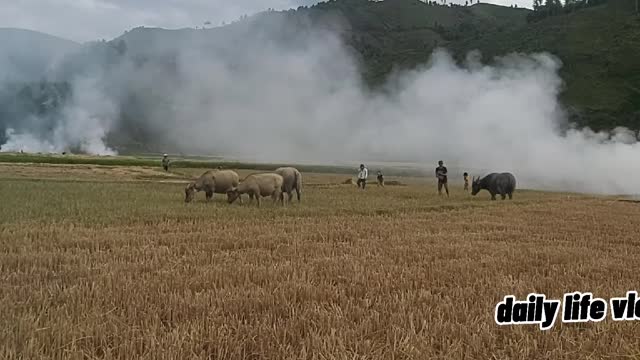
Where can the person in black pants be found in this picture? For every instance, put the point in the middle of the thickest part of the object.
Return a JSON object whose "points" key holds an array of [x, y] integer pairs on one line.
{"points": [[441, 174], [380, 179], [165, 162]]}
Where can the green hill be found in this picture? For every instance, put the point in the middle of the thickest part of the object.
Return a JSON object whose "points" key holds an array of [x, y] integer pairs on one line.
{"points": [[598, 45], [403, 33], [600, 51]]}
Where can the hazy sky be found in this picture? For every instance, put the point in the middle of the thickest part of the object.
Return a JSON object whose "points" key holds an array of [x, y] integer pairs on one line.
{"points": [[84, 20]]}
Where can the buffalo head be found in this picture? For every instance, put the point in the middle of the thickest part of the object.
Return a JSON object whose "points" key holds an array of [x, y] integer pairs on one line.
{"points": [[475, 186], [233, 195], [189, 191]]}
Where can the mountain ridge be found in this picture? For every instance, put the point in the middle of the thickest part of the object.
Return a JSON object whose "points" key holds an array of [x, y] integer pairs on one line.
{"points": [[30, 63]]}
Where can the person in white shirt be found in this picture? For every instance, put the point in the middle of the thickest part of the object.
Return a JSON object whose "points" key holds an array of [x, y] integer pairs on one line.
{"points": [[362, 176]]}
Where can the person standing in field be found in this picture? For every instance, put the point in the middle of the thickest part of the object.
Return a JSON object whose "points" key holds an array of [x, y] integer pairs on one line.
{"points": [[466, 181], [165, 162], [362, 176], [380, 179], [441, 174]]}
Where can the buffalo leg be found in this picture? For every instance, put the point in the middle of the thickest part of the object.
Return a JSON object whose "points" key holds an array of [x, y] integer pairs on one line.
{"points": [[278, 195], [503, 196], [298, 194], [510, 196], [209, 195], [493, 196]]}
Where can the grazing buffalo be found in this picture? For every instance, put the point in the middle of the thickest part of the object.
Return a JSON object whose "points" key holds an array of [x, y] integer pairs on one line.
{"points": [[258, 185], [212, 181], [503, 184], [292, 181]]}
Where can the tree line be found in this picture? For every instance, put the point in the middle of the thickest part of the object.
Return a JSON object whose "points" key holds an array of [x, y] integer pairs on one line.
{"points": [[545, 8]]}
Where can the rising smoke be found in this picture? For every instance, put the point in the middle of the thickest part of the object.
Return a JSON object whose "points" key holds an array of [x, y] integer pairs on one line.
{"points": [[83, 125], [270, 100]]}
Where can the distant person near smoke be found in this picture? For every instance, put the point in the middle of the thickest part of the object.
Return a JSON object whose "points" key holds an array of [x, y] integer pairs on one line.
{"points": [[362, 176], [441, 174], [380, 179], [466, 181], [165, 162]]}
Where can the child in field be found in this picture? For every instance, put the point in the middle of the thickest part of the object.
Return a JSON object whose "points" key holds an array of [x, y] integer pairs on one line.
{"points": [[466, 181]]}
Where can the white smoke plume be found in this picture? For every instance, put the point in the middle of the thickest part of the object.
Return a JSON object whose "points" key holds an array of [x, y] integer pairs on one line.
{"points": [[83, 125], [268, 101], [310, 105]]}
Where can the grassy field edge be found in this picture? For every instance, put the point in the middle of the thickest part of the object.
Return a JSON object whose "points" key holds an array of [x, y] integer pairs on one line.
{"points": [[182, 163]]}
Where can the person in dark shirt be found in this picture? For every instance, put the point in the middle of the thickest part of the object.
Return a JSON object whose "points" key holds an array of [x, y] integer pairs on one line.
{"points": [[466, 181], [380, 179], [441, 174], [165, 162]]}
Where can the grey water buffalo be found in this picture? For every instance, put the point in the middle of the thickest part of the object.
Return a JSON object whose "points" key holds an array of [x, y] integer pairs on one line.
{"points": [[212, 181], [292, 181], [258, 185], [495, 183]]}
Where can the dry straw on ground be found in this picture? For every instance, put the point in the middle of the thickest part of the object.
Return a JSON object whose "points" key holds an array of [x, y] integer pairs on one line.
{"points": [[126, 270]]}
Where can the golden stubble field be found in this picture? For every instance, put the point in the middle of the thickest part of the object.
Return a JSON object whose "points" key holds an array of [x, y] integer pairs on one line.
{"points": [[97, 263]]}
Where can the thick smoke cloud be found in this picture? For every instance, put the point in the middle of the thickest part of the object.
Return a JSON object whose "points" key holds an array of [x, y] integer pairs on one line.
{"points": [[265, 99], [81, 125]]}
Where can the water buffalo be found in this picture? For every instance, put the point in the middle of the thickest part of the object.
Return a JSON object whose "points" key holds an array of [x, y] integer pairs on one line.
{"points": [[503, 184], [292, 181], [258, 185], [212, 181]]}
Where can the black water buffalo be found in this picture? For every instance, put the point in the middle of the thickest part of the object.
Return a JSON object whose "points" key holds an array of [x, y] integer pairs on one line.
{"points": [[503, 184]]}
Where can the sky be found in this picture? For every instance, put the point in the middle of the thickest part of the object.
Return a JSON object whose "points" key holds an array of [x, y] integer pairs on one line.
{"points": [[87, 20]]}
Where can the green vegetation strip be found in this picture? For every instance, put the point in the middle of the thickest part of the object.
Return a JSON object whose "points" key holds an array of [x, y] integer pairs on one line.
{"points": [[182, 163]]}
